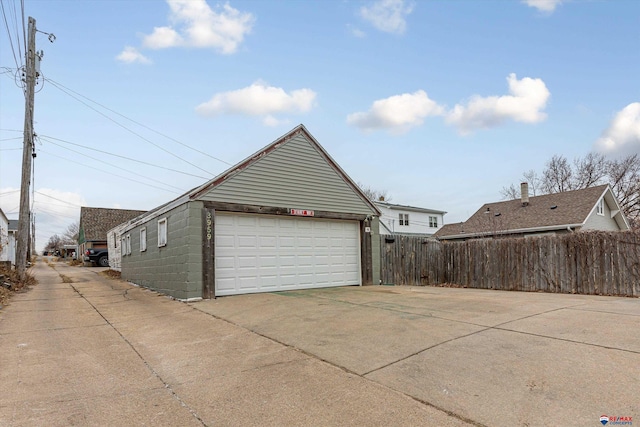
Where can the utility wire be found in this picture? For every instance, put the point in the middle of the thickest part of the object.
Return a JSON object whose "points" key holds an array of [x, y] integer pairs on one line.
{"points": [[109, 173], [49, 138], [115, 166], [140, 124], [6, 24], [126, 128], [55, 198]]}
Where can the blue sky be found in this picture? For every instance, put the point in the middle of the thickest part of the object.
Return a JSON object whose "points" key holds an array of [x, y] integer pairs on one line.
{"points": [[440, 103]]}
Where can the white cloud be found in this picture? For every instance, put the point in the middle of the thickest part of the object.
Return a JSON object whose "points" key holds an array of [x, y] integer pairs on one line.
{"points": [[397, 113], [197, 25], [387, 15], [356, 32], [528, 97], [622, 137], [547, 6], [259, 99], [131, 55]]}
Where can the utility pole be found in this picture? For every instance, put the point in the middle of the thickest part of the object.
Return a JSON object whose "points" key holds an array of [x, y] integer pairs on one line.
{"points": [[24, 221]]}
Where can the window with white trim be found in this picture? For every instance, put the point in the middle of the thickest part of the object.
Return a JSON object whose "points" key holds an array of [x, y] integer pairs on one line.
{"points": [[403, 219], [123, 246], [162, 232], [433, 221], [128, 244], [143, 239], [600, 208]]}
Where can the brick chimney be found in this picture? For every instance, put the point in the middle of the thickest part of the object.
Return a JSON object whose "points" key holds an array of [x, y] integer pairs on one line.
{"points": [[524, 193]]}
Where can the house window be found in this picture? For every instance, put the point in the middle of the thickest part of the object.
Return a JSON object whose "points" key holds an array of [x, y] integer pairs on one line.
{"points": [[143, 239], [123, 247], [404, 219], [433, 221], [162, 232], [600, 208], [128, 244], [115, 240]]}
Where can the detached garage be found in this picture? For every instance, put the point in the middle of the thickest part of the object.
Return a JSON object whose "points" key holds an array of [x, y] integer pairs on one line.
{"points": [[287, 217]]}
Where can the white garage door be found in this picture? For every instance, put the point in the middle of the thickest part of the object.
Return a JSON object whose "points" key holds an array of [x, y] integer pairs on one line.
{"points": [[265, 253]]}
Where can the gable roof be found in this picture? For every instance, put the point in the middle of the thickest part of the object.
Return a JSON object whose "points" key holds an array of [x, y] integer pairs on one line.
{"points": [[393, 206], [95, 222], [206, 190], [543, 213]]}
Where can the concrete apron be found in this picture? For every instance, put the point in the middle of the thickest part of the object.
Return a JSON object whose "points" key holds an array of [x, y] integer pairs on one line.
{"points": [[103, 352], [488, 357]]}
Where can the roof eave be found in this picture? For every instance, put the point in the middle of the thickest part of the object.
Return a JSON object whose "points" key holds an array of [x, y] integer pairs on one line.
{"points": [[507, 232]]}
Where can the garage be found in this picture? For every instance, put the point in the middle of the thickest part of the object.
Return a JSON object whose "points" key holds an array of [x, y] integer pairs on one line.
{"points": [[287, 217], [265, 253]]}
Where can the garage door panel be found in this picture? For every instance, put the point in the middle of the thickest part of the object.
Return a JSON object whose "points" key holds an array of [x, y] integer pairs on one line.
{"points": [[258, 253]]}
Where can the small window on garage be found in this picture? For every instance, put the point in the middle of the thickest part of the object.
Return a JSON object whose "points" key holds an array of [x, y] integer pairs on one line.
{"points": [[162, 232], [128, 244], [143, 239], [600, 209], [123, 246]]}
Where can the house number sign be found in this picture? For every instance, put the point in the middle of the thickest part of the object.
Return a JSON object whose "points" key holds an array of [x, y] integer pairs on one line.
{"points": [[302, 212], [209, 226]]}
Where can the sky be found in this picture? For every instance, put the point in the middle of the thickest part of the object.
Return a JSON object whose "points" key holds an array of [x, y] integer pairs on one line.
{"points": [[439, 103]]}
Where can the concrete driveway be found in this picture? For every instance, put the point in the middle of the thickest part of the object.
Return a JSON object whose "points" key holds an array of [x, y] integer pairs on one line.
{"points": [[487, 357], [95, 351]]}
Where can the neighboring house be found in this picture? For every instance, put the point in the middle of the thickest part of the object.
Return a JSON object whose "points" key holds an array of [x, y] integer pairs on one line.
{"points": [[114, 237], [13, 238], [4, 237], [285, 218], [594, 208], [94, 224], [401, 219]]}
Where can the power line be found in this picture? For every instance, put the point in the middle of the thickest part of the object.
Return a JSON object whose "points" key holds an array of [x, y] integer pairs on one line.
{"points": [[6, 24], [140, 124], [48, 138], [60, 200], [115, 166], [126, 128], [109, 173]]}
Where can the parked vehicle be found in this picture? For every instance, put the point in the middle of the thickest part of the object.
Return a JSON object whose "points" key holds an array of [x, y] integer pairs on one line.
{"points": [[98, 257]]}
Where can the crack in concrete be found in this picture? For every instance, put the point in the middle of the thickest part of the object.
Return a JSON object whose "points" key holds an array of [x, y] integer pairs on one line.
{"points": [[167, 386], [344, 369]]}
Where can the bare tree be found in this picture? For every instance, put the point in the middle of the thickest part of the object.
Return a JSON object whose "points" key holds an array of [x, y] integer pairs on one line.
{"points": [[589, 170], [373, 194], [70, 235], [623, 175], [624, 178], [557, 175], [513, 192], [54, 243]]}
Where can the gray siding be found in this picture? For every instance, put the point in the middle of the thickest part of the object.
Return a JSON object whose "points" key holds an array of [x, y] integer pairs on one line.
{"points": [[601, 222], [174, 269], [295, 175]]}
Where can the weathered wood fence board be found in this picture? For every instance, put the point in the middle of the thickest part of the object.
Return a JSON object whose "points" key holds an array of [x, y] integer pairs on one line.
{"points": [[593, 263]]}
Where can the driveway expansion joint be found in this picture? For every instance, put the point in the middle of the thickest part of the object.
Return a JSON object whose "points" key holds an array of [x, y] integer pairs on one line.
{"points": [[167, 386]]}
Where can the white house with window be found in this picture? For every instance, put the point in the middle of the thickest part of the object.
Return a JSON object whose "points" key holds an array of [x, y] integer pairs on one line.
{"points": [[402, 219]]}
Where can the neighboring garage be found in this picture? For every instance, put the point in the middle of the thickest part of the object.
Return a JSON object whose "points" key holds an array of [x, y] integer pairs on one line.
{"points": [[287, 217]]}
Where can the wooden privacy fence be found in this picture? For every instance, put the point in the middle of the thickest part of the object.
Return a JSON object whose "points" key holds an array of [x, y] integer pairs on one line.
{"points": [[594, 263]]}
